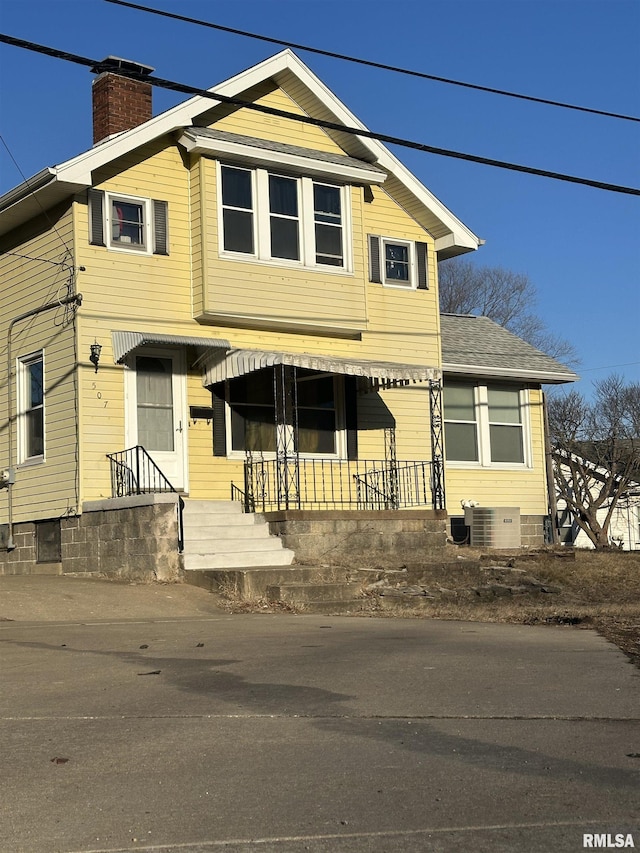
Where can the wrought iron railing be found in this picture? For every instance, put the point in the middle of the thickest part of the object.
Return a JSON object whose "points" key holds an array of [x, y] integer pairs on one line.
{"points": [[338, 484], [133, 472]]}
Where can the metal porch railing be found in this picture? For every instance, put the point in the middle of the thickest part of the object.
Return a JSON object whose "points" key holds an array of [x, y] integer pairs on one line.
{"points": [[337, 484], [133, 472]]}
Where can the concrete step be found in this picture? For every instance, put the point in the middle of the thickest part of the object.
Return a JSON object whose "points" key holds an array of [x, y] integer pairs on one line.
{"points": [[252, 581], [237, 559], [234, 546], [218, 507], [198, 520], [305, 593], [212, 536]]}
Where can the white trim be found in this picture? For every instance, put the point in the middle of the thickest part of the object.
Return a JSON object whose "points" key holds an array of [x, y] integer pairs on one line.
{"points": [[488, 373], [255, 155]]}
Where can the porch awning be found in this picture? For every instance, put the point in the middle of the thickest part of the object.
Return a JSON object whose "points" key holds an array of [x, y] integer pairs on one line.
{"points": [[239, 362], [126, 342]]}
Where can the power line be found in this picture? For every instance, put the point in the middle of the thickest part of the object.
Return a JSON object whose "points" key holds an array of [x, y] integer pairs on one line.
{"points": [[26, 181], [370, 63], [172, 85]]}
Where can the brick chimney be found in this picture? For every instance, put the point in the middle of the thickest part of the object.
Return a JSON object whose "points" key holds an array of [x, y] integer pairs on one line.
{"points": [[119, 103]]}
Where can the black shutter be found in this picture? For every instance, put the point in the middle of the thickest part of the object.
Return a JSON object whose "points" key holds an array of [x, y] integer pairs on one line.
{"points": [[351, 415], [96, 217], [374, 259], [160, 233], [219, 425], [421, 256]]}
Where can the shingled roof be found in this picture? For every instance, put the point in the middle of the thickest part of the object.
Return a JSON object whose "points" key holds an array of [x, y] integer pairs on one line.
{"points": [[476, 346]]}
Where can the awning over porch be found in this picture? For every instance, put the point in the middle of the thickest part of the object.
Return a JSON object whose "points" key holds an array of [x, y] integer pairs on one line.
{"points": [[125, 342], [238, 362]]}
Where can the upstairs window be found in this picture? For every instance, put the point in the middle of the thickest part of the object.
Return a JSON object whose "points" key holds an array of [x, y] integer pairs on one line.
{"points": [[127, 223], [284, 219], [485, 424], [327, 215], [31, 407], [237, 210], [398, 263]]}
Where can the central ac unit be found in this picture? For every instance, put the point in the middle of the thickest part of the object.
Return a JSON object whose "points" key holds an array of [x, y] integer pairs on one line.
{"points": [[494, 527]]}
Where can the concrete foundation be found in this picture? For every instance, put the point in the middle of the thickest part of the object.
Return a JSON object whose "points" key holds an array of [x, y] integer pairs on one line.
{"points": [[134, 538], [360, 538]]}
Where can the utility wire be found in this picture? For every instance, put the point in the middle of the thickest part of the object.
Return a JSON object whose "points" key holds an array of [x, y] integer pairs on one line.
{"points": [[98, 67], [26, 181], [369, 62]]}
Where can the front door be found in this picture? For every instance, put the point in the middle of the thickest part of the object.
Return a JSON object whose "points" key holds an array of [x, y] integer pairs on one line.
{"points": [[156, 410]]}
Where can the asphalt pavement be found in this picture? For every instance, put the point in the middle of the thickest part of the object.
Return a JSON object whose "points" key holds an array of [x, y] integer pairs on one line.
{"points": [[144, 717]]}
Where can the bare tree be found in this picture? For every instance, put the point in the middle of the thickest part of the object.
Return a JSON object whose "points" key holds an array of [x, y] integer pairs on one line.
{"points": [[506, 297], [596, 452]]}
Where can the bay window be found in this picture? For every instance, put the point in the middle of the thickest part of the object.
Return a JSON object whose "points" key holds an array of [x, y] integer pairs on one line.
{"points": [[279, 218]]}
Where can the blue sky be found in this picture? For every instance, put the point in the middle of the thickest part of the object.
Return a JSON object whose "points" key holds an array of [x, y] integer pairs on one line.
{"points": [[580, 246]]}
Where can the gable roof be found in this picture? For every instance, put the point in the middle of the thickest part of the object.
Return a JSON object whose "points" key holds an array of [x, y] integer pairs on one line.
{"points": [[476, 346], [55, 183]]}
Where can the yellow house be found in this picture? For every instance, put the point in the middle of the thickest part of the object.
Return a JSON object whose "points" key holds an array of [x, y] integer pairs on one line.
{"points": [[235, 303]]}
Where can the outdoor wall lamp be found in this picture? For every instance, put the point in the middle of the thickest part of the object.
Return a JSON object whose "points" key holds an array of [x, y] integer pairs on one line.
{"points": [[94, 358]]}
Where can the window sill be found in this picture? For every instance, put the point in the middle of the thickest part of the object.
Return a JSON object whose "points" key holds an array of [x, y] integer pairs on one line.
{"points": [[282, 263], [31, 461], [489, 466]]}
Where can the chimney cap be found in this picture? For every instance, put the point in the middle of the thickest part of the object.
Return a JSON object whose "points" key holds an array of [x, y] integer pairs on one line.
{"points": [[114, 64]]}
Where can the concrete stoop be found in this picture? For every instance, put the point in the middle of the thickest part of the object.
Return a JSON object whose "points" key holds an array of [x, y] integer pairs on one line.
{"points": [[311, 589], [219, 535]]}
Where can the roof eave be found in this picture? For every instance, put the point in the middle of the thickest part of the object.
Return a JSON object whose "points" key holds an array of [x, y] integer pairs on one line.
{"points": [[542, 376], [34, 197]]}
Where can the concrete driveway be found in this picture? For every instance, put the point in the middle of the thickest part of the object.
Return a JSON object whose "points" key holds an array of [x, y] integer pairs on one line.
{"points": [[144, 718]]}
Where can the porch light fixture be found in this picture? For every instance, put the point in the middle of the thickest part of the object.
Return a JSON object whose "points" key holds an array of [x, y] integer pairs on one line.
{"points": [[94, 357]]}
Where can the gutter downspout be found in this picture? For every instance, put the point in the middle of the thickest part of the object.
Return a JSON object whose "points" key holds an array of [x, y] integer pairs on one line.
{"points": [[77, 298]]}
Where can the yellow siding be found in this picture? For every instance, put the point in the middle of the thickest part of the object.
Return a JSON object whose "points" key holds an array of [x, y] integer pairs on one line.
{"points": [[46, 489], [254, 123]]}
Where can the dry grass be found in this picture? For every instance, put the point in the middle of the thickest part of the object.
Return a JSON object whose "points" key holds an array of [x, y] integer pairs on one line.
{"points": [[599, 590]]}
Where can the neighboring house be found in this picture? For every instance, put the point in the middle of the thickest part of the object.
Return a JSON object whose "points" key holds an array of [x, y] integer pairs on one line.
{"points": [[624, 524], [217, 303]]}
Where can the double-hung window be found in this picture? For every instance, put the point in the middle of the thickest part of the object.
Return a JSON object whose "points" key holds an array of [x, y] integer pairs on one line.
{"points": [[31, 407], [283, 219], [237, 210], [485, 424], [505, 425], [461, 427], [398, 263], [128, 223]]}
